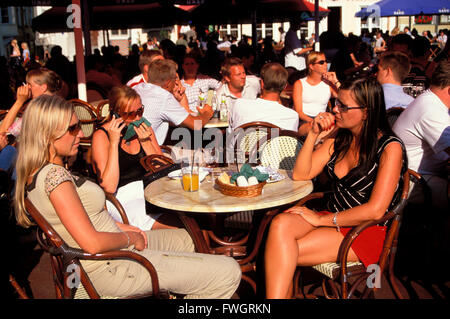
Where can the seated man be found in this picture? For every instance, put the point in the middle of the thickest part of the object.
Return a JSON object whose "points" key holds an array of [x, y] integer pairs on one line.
{"points": [[145, 59], [165, 102], [393, 67], [236, 84], [424, 128], [267, 108]]}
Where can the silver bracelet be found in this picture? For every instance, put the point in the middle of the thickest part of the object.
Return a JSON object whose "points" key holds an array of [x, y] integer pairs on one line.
{"points": [[335, 221]]}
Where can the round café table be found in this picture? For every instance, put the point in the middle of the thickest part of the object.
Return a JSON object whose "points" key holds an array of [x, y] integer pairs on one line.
{"points": [[208, 200]]}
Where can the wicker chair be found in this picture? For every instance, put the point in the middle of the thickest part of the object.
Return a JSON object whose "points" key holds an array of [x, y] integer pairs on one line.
{"points": [[338, 275], [102, 110], [251, 136], [87, 116], [280, 151], [64, 258]]}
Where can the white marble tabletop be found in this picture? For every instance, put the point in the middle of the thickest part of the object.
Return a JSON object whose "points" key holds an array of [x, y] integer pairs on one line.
{"points": [[217, 123], [168, 193]]}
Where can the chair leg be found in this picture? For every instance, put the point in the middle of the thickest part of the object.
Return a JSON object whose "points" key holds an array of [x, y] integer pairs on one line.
{"points": [[17, 287], [393, 282], [298, 285], [333, 287]]}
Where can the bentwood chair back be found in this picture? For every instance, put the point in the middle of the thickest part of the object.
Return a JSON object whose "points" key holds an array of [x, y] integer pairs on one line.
{"points": [[251, 137], [87, 116], [102, 109], [65, 261], [345, 277], [280, 152]]}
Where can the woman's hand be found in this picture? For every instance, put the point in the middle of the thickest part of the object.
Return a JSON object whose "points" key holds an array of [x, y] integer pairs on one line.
{"points": [[322, 122], [23, 93], [330, 77], [309, 215], [138, 244], [144, 132], [114, 129]]}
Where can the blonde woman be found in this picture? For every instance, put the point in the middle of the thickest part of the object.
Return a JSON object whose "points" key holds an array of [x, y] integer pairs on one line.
{"points": [[117, 161], [25, 53], [312, 93], [39, 81], [74, 206]]}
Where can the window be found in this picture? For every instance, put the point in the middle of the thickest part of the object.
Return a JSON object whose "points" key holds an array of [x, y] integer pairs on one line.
{"points": [[4, 15], [119, 32], [445, 19], [269, 30]]}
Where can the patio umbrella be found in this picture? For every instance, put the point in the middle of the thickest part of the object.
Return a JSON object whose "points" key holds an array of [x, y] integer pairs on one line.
{"points": [[254, 11], [242, 11], [389, 8], [103, 17], [113, 17]]}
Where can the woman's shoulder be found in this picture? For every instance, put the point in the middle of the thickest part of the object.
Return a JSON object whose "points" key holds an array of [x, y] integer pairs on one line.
{"points": [[387, 139], [54, 176]]}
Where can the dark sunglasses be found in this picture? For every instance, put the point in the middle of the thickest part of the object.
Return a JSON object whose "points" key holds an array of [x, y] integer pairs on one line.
{"points": [[321, 62], [133, 114], [74, 129], [344, 108]]}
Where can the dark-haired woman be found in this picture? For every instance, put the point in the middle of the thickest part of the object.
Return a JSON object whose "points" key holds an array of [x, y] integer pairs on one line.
{"points": [[365, 162]]}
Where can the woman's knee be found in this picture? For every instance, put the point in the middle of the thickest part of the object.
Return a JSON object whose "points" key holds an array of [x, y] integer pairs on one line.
{"points": [[283, 223]]}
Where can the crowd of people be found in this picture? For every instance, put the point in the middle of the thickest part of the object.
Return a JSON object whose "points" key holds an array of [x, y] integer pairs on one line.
{"points": [[340, 100]]}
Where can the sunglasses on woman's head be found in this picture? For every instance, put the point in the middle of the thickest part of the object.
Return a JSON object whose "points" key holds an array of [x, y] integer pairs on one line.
{"points": [[133, 114], [343, 108], [74, 129], [321, 62]]}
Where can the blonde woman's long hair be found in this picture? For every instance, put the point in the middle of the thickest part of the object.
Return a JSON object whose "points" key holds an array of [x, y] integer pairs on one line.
{"points": [[46, 119]]}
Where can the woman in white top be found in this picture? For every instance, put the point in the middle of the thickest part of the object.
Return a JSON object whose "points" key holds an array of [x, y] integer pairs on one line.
{"points": [[194, 82], [312, 93]]}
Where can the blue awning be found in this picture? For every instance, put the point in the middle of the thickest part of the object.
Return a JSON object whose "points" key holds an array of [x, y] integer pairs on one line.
{"points": [[389, 8]]}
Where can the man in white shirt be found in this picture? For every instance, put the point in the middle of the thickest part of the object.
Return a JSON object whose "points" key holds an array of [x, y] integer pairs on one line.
{"points": [[145, 59], [424, 128], [236, 84], [293, 47], [442, 39], [393, 68], [165, 102], [380, 44], [267, 108]]}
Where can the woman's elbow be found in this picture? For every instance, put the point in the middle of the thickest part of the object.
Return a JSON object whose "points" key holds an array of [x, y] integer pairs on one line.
{"points": [[376, 212], [299, 177]]}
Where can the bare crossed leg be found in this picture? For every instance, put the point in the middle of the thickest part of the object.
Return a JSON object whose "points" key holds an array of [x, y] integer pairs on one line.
{"points": [[293, 241]]}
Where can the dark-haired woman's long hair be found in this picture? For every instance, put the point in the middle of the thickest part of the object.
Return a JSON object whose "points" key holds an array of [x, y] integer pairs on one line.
{"points": [[367, 92]]}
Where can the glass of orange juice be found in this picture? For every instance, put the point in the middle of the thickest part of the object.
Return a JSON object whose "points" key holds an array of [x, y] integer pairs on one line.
{"points": [[190, 179]]}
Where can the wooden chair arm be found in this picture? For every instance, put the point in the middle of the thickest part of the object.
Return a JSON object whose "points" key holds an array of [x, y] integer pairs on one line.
{"points": [[154, 163], [69, 253], [112, 198], [354, 233]]}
